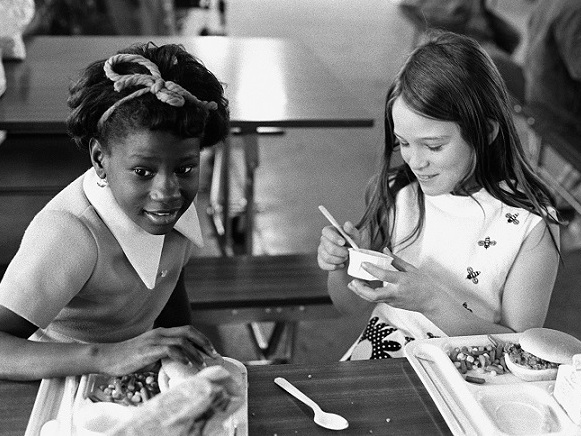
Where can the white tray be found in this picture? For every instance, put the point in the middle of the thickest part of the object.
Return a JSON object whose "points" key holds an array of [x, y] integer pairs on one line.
{"points": [[504, 405], [57, 399]]}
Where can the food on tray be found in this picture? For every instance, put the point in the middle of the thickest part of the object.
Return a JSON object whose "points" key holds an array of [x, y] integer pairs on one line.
{"points": [[131, 389], [134, 389], [477, 380], [539, 353], [199, 405], [523, 358], [481, 359]]}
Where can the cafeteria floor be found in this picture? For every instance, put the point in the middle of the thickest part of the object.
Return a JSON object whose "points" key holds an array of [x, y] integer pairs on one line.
{"points": [[363, 43]]}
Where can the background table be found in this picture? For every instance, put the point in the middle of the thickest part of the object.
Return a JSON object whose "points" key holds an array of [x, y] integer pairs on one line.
{"points": [[377, 397], [269, 82]]}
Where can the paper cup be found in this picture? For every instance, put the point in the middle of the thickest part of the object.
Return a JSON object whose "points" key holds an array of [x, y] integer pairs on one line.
{"points": [[357, 257]]}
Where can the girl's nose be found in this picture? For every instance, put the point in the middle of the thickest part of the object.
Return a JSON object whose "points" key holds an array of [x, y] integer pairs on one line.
{"points": [[165, 188], [415, 157]]}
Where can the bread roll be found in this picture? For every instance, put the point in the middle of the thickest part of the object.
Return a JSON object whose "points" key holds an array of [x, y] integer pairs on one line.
{"points": [[551, 345], [173, 372]]}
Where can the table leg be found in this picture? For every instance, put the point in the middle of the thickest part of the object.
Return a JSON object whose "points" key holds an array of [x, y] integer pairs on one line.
{"points": [[266, 347], [222, 192], [225, 186], [250, 141]]}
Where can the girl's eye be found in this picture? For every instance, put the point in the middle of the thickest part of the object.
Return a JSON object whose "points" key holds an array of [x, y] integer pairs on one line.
{"points": [[400, 143], [185, 170], [142, 172], [435, 147]]}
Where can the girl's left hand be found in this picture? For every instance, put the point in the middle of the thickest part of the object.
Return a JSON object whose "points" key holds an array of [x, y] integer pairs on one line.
{"points": [[407, 288]]}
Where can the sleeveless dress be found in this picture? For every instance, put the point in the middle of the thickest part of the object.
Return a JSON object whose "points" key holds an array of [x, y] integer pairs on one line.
{"points": [[468, 242]]}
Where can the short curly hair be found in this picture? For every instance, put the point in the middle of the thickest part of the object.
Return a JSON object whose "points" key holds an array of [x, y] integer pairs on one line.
{"points": [[93, 93]]}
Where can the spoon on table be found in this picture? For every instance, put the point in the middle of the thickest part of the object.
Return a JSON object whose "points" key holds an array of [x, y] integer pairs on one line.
{"points": [[332, 421], [333, 221]]}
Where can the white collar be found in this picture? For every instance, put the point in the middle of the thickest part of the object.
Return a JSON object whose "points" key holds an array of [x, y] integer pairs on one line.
{"points": [[141, 248]]}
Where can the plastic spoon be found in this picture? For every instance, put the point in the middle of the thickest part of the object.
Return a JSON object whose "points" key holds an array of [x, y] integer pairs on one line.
{"points": [[333, 221], [332, 421]]}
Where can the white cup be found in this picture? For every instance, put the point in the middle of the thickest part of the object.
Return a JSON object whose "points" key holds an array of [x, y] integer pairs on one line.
{"points": [[358, 256]]}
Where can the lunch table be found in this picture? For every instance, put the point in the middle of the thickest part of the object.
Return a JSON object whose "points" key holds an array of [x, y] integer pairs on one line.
{"points": [[377, 397], [270, 83]]}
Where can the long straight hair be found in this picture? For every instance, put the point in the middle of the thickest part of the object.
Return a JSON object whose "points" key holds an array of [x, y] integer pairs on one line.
{"points": [[451, 78]]}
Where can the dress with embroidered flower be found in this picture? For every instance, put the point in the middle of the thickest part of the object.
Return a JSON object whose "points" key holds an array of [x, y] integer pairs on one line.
{"points": [[470, 243]]}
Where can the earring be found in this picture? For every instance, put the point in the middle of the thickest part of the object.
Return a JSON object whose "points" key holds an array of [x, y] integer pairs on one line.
{"points": [[101, 183]]}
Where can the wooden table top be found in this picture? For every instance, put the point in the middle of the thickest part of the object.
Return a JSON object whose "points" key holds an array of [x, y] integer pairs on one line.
{"points": [[377, 397], [269, 82]]}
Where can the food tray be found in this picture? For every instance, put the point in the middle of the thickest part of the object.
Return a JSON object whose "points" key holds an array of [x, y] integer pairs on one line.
{"points": [[504, 405], [58, 398]]}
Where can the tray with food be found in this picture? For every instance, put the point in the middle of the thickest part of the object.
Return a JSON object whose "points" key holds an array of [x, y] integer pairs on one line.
{"points": [[500, 384], [176, 398]]}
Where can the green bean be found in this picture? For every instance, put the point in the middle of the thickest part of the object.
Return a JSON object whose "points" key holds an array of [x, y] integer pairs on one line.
{"points": [[477, 380]]}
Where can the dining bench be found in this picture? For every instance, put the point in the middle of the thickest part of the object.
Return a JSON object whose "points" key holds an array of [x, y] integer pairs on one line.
{"points": [[281, 289]]}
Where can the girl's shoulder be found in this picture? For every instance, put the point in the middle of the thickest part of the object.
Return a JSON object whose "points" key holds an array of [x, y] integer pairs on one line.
{"points": [[71, 199], [548, 210], [67, 216], [408, 192]]}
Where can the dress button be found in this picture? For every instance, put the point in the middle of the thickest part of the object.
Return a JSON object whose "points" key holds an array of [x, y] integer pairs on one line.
{"points": [[163, 273]]}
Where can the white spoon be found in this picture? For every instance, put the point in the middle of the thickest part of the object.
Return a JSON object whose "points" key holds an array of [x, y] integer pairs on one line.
{"points": [[333, 221], [332, 421]]}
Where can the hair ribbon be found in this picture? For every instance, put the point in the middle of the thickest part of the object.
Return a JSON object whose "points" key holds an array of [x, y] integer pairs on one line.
{"points": [[166, 91]]}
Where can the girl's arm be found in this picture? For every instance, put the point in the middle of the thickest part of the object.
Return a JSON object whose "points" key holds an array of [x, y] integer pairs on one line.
{"points": [[333, 256], [525, 299], [528, 288], [22, 359], [346, 301], [177, 310], [526, 295]]}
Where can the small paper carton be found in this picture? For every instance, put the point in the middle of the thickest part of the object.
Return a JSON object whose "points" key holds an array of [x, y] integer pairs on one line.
{"points": [[568, 389]]}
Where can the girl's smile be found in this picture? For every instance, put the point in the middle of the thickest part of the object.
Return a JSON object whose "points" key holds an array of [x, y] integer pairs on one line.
{"points": [[153, 175], [163, 217], [434, 150]]}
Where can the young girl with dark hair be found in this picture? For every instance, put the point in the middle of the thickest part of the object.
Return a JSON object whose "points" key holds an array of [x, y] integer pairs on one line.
{"points": [[99, 267], [471, 227]]}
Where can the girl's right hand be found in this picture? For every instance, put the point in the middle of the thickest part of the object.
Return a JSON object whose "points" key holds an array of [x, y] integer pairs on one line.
{"points": [[184, 344], [332, 253]]}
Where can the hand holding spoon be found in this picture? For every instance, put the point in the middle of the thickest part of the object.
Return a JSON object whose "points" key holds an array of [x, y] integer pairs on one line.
{"points": [[332, 421], [333, 221]]}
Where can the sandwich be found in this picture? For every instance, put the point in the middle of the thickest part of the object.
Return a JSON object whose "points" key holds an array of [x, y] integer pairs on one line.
{"points": [[539, 352]]}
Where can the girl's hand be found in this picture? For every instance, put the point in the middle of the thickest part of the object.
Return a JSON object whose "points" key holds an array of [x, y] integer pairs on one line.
{"points": [[332, 254], [408, 288], [184, 344]]}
